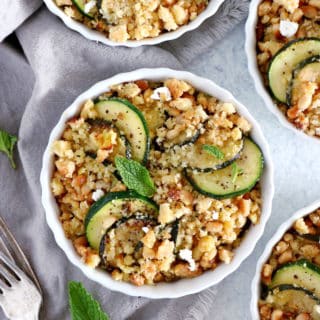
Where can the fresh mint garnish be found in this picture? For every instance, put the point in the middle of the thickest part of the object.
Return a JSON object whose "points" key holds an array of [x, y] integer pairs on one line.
{"points": [[236, 171], [215, 151], [7, 143], [135, 176], [82, 305]]}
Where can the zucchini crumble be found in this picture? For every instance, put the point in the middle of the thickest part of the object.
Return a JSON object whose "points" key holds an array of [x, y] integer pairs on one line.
{"points": [[195, 155], [290, 279], [288, 55], [122, 20]]}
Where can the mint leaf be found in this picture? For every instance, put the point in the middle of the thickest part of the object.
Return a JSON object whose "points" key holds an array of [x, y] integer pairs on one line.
{"points": [[7, 143], [82, 305], [135, 176], [215, 151], [236, 171]]}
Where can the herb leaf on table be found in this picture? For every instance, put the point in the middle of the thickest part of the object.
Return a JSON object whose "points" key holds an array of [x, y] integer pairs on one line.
{"points": [[7, 143], [82, 305]]}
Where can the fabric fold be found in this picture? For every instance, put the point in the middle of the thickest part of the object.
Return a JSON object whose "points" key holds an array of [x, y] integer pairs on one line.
{"points": [[14, 12]]}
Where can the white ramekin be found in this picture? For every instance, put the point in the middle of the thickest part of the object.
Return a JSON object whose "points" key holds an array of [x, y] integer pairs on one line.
{"points": [[255, 286], [251, 51], [181, 287], [90, 34]]}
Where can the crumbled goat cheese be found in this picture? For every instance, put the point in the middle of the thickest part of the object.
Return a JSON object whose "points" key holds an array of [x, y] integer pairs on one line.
{"points": [[97, 195], [316, 309], [145, 229], [215, 215], [186, 254], [157, 93], [89, 6], [288, 28]]}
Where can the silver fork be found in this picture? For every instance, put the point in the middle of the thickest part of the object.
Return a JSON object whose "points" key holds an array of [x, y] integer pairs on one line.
{"points": [[19, 297], [10, 247]]}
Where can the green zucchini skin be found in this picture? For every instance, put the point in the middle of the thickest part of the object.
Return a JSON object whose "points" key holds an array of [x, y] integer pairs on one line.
{"points": [[79, 4], [175, 230], [101, 123], [310, 237], [301, 273], [201, 161], [295, 72], [100, 211], [139, 217], [127, 195], [291, 298], [126, 126], [185, 142], [277, 56], [229, 193]]}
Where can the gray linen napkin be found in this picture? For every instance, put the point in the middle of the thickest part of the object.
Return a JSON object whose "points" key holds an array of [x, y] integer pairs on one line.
{"points": [[62, 65], [15, 12]]}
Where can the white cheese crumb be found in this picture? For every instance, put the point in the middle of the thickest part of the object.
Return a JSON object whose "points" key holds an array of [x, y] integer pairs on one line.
{"points": [[145, 229], [162, 91], [89, 6], [288, 28], [186, 254], [215, 215], [97, 194], [316, 309]]}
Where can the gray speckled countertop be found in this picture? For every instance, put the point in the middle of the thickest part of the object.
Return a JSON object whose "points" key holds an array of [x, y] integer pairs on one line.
{"points": [[296, 161]]}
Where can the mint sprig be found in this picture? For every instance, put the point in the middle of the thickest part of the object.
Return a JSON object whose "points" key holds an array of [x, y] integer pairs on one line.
{"points": [[82, 305], [236, 171], [135, 176], [7, 143], [213, 150]]}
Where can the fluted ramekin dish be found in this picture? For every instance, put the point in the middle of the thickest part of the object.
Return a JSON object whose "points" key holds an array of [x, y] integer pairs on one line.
{"points": [[255, 286], [94, 35], [251, 52], [162, 290]]}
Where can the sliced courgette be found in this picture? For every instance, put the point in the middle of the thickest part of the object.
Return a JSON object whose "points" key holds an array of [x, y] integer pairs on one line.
{"points": [[285, 61], [80, 5], [112, 207], [310, 237], [307, 71], [123, 237], [301, 273], [130, 121], [290, 298], [194, 157], [122, 148], [220, 184]]}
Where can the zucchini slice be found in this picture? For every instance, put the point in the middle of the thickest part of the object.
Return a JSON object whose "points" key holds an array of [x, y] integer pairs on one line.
{"points": [[123, 147], [130, 121], [110, 208], [286, 60], [195, 158], [301, 273], [123, 237], [80, 5], [307, 71], [291, 298], [310, 237], [219, 185]]}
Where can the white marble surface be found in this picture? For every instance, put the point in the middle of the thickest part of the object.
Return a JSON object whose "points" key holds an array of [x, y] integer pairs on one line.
{"points": [[296, 160]]}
